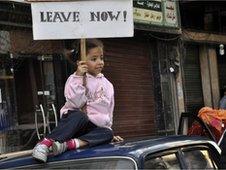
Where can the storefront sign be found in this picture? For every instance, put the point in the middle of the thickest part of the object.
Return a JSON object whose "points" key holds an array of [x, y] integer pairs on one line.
{"points": [[156, 12], [170, 13], [82, 19], [4, 42]]}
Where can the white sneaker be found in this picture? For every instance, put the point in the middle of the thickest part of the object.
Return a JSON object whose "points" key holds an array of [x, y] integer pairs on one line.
{"points": [[59, 148], [40, 152]]}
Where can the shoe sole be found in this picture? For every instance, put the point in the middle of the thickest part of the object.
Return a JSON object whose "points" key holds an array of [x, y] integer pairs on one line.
{"points": [[39, 157]]}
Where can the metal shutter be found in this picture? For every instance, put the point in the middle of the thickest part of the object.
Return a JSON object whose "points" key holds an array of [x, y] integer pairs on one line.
{"points": [[192, 79], [128, 67]]}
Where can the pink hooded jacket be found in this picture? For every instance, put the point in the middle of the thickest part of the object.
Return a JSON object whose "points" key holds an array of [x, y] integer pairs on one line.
{"points": [[99, 99]]}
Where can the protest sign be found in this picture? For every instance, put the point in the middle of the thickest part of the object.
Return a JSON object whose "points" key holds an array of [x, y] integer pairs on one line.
{"points": [[82, 19]]}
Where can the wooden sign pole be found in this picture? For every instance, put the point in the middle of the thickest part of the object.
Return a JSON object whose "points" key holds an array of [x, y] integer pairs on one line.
{"points": [[83, 58], [83, 49]]}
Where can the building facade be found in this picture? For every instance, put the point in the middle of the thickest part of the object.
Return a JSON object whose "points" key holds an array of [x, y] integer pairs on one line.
{"points": [[202, 53], [144, 69]]}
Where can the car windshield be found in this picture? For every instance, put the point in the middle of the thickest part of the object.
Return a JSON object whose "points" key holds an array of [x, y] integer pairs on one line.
{"points": [[107, 163], [89, 163]]}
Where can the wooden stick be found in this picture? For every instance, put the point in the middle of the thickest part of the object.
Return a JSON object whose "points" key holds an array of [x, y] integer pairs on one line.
{"points": [[83, 49], [15, 154], [83, 58]]}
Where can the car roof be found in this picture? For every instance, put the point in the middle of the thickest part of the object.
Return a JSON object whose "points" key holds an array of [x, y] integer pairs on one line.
{"points": [[134, 149]]}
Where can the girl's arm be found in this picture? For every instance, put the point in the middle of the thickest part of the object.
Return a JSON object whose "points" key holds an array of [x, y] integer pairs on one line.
{"points": [[75, 92]]}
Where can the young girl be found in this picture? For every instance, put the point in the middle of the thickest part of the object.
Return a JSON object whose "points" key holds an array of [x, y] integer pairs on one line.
{"points": [[86, 117]]}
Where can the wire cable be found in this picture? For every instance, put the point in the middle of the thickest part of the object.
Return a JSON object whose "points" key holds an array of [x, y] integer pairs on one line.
{"points": [[164, 39]]}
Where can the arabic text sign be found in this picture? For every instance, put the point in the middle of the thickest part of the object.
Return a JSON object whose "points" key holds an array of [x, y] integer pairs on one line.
{"points": [[157, 12], [82, 19]]}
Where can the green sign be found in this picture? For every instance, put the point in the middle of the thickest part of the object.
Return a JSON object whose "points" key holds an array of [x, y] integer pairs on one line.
{"points": [[156, 12]]}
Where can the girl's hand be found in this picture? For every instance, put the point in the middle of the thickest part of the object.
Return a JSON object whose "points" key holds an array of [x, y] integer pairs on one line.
{"points": [[117, 139], [82, 68]]}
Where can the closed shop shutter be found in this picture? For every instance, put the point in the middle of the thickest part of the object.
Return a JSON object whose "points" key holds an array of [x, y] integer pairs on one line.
{"points": [[192, 79], [128, 67]]}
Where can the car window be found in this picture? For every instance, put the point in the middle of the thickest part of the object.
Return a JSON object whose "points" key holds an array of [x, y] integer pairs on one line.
{"points": [[190, 157], [168, 161], [198, 159], [90, 163]]}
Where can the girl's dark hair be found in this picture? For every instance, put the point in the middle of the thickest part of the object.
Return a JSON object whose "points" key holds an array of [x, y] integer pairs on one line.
{"points": [[75, 49], [92, 43]]}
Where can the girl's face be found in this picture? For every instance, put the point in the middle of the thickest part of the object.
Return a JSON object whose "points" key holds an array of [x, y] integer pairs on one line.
{"points": [[95, 61]]}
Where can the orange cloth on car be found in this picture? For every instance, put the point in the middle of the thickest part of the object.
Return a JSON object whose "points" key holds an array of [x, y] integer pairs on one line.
{"points": [[213, 117]]}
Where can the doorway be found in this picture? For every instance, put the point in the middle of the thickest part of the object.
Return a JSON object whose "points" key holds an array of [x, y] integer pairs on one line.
{"points": [[35, 87]]}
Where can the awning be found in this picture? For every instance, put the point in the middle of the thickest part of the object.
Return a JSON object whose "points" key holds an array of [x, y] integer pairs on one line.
{"points": [[21, 1]]}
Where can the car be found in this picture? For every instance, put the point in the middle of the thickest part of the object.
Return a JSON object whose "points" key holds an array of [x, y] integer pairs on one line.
{"points": [[170, 152]]}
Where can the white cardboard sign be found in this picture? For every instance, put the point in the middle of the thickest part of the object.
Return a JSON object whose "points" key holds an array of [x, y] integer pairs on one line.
{"points": [[82, 19]]}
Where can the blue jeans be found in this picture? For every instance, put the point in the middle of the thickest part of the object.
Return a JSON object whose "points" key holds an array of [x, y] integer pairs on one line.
{"points": [[76, 124]]}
